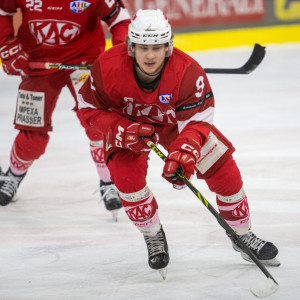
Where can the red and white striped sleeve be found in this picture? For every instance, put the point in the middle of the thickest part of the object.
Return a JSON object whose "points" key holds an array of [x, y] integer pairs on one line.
{"points": [[116, 16], [195, 105]]}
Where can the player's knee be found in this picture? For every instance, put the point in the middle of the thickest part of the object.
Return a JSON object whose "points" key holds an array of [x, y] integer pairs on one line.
{"points": [[226, 180], [93, 135], [30, 145], [128, 171]]}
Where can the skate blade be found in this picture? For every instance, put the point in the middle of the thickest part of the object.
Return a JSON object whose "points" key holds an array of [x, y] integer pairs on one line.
{"points": [[15, 198], [115, 213], [270, 262], [163, 273]]}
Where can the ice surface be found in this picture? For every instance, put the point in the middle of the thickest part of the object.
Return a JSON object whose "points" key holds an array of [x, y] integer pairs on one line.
{"points": [[57, 242]]}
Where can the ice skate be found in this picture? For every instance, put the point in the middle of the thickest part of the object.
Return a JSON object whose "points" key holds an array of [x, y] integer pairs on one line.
{"points": [[9, 184], [111, 198], [158, 253], [265, 251]]}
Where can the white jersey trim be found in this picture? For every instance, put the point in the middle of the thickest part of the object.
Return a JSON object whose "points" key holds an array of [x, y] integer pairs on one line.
{"points": [[204, 116], [83, 104], [123, 15], [4, 13]]}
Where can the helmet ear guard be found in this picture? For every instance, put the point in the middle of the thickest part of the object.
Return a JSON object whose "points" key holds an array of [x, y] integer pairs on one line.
{"points": [[149, 27]]}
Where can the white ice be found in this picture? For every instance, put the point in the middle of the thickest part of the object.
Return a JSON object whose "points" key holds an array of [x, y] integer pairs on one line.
{"points": [[57, 242]]}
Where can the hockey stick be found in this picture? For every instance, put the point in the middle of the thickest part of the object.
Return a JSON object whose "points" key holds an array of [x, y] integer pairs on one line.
{"points": [[255, 59], [57, 66], [260, 289]]}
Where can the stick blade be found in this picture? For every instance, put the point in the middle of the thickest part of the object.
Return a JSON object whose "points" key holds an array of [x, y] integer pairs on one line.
{"points": [[264, 288], [255, 59]]}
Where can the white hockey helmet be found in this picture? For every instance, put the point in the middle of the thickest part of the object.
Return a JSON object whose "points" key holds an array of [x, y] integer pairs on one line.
{"points": [[149, 27]]}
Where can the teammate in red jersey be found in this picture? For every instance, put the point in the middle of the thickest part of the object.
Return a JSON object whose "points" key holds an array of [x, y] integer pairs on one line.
{"points": [[159, 91], [54, 31]]}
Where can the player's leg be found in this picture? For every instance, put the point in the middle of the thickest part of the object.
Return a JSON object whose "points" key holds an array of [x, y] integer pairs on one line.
{"points": [[223, 177], [128, 171], [108, 192], [27, 147], [233, 207], [35, 104]]}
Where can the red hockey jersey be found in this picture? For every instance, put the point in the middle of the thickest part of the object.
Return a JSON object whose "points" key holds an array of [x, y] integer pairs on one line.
{"points": [[182, 98], [62, 30]]}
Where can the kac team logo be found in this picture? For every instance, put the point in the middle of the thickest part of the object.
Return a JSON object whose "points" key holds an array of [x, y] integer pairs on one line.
{"points": [[165, 98], [54, 33], [140, 213], [79, 6]]}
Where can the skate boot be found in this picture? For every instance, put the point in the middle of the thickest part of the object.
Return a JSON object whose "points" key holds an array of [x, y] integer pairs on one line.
{"points": [[111, 198], [158, 253], [9, 183], [265, 251]]}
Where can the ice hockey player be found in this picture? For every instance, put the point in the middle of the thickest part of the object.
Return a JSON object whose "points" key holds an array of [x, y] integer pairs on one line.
{"points": [[159, 91], [54, 31]]}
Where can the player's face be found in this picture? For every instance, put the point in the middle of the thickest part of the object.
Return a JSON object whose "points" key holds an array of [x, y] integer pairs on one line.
{"points": [[150, 57]]}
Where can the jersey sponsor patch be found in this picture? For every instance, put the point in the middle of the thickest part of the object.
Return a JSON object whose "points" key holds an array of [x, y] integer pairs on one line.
{"points": [[54, 33], [210, 153], [195, 104], [79, 6], [153, 112], [78, 78], [165, 98], [30, 108]]}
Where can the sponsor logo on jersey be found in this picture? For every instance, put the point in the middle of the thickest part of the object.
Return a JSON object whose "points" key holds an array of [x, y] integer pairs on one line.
{"points": [[79, 6], [153, 112], [83, 78], [165, 98], [53, 32], [54, 8]]}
